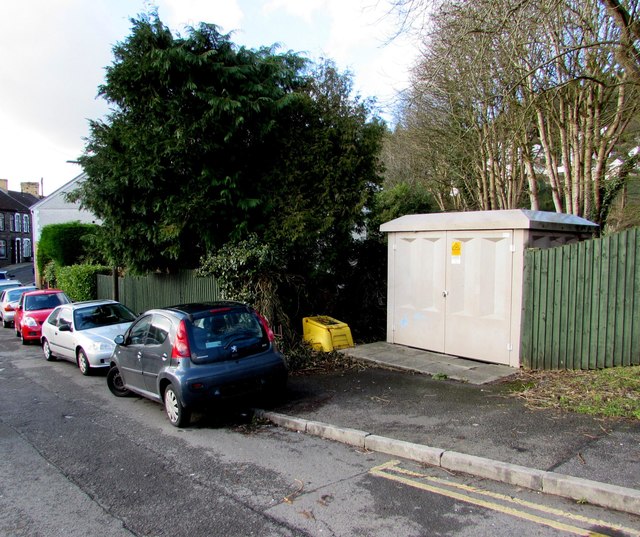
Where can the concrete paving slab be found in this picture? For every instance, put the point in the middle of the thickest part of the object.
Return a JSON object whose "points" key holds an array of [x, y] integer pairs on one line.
{"points": [[428, 362]]}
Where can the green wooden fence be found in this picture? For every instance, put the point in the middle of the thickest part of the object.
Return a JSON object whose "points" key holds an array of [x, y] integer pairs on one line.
{"points": [[581, 305], [141, 293]]}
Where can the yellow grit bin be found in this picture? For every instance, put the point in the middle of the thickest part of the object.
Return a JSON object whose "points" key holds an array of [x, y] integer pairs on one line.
{"points": [[326, 333]]}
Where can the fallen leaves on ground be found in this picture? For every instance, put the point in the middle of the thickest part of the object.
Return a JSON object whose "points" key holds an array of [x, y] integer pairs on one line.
{"points": [[327, 362], [612, 392], [299, 488]]}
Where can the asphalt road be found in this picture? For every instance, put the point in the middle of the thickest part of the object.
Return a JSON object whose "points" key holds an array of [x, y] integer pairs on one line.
{"points": [[78, 461]]}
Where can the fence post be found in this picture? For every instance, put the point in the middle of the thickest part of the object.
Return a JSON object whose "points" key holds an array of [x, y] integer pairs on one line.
{"points": [[115, 291]]}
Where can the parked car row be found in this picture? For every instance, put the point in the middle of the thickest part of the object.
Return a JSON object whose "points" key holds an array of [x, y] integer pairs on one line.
{"points": [[9, 299], [83, 332], [33, 308], [185, 357]]}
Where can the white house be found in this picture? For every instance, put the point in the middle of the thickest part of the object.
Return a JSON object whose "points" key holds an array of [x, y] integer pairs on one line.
{"points": [[55, 209]]}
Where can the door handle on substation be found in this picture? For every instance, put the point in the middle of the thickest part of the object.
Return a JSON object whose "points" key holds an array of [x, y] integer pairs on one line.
{"points": [[445, 293]]}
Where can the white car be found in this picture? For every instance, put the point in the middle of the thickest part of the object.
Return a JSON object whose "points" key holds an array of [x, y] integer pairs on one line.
{"points": [[9, 298], [83, 332]]}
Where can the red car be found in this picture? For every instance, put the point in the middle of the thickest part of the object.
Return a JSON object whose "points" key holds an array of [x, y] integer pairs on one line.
{"points": [[34, 307]]}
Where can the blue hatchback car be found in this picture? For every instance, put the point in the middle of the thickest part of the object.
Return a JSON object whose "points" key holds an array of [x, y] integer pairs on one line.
{"points": [[191, 355]]}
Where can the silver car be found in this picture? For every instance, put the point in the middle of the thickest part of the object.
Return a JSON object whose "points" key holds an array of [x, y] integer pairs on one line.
{"points": [[8, 284], [83, 332], [9, 298]]}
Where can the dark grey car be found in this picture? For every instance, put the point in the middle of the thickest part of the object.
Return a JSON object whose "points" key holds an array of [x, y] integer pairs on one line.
{"points": [[195, 354]]}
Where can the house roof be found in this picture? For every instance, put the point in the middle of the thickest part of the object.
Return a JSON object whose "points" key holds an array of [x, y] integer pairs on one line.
{"points": [[64, 189], [16, 201]]}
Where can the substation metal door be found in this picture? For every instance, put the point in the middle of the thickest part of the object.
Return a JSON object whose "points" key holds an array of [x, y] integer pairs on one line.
{"points": [[451, 292]]}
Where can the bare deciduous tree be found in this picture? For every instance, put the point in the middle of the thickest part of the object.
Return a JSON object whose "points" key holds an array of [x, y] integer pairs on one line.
{"points": [[523, 98]]}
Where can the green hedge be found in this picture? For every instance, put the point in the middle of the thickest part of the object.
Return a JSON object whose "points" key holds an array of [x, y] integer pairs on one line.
{"points": [[66, 244], [79, 282]]}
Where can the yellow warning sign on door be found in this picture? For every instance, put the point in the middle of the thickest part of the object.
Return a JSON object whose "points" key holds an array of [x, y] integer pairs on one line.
{"points": [[456, 252]]}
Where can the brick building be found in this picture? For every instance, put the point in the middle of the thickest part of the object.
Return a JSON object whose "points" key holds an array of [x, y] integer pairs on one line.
{"points": [[16, 229]]}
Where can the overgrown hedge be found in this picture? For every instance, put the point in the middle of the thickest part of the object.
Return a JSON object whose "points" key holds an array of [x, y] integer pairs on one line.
{"points": [[65, 244], [79, 282]]}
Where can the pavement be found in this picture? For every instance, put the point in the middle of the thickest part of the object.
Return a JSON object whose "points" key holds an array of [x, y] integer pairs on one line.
{"points": [[461, 415]]}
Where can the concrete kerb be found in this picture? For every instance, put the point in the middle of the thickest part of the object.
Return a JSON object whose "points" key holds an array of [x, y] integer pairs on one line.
{"points": [[596, 493], [353, 437]]}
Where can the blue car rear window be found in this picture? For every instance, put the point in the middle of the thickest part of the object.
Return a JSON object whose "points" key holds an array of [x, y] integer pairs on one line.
{"points": [[227, 334]]}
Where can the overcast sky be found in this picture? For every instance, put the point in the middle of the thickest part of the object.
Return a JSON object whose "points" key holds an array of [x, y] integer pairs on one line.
{"points": [[54, 53]]}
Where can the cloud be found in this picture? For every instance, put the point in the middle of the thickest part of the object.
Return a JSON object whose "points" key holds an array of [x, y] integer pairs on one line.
{"points": [[304, 10], [359, 36], [177, 14], [54, 54]]}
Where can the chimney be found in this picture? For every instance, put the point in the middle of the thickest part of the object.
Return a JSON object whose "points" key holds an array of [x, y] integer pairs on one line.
{"points": [[4, 184], [32, 188]]}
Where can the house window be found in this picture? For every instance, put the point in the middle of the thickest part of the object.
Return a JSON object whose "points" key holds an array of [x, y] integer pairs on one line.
{"points": [[26, 248], [18, 224], [25, 223], [3, 249], [1, 221], [11, 223]]}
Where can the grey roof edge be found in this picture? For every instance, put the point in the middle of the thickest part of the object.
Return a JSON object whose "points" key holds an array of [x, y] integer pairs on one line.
{"points": [[502, 219]]}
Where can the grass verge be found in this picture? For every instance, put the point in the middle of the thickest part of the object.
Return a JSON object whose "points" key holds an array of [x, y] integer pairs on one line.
{"points": [[610, 393]]}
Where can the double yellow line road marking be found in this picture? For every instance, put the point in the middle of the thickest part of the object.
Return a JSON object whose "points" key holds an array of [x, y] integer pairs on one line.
{"points": [[501, 503]]}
